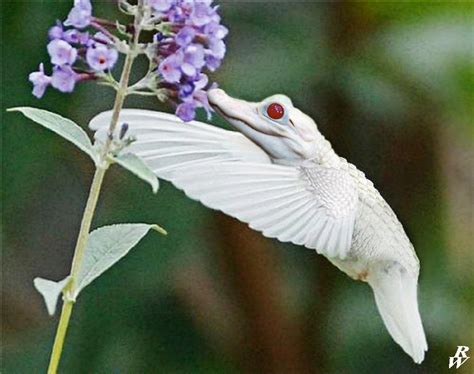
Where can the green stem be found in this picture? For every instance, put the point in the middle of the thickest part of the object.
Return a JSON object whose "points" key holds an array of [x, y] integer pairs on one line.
{"points": [[86, 222], [75, 267], [89, 210], [120, 97], [60, 335], [123, 84]]}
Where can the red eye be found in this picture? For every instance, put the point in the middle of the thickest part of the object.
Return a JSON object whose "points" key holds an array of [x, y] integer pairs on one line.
{"points": [[275, 111]]}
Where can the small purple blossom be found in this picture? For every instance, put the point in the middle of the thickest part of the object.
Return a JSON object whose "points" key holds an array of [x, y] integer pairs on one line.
{"points": [[193, 59], [76, 37], [176, 15], [215, 54], [217, 48], [80, 15], [201, 81], [101, 58], [61, 52], [40, 81], [186, 111], [185, 36], [170, 68], [212, 62], [64, 78], [161, 5], [56, 32], [186, 90], [201, 14], [215, 30], [123, 130]]}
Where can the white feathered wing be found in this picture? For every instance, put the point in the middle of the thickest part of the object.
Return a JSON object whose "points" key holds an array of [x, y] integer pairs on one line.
{"points": [[226, 171]]}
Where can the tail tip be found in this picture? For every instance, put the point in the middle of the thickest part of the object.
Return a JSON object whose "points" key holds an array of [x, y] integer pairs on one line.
{"points": [[418, 354]]}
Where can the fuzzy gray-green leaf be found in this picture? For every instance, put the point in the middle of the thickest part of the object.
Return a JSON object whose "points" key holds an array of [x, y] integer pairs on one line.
{"points": [[106, 246], [50, 290], [137, 166], [62, 126]]}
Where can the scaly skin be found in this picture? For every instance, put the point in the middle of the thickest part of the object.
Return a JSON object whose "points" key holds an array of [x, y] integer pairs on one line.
{"points": [[379, 238]]}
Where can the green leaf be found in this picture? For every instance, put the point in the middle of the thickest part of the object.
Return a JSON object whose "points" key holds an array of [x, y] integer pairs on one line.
{"points": [[50, 290], [106, 246], [62, 126], [137, 166]]}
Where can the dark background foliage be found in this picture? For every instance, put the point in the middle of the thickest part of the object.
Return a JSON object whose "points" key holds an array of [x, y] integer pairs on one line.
{"points": [[390, 85]]}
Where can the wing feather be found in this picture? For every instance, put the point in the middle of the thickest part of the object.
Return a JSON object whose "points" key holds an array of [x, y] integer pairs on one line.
{"points": [[312, 206], [293, 232], [275, 224], [262, 210], [324, 235]]}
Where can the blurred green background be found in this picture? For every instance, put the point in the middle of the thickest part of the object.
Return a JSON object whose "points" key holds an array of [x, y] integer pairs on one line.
{"points": [[391, 85]]}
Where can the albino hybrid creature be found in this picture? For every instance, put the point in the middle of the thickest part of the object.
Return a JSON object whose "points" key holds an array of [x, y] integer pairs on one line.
{"points": [[281, 176]]}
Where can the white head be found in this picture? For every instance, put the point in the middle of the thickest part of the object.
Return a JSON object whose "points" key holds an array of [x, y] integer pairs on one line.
{"points": [[284, 132]]}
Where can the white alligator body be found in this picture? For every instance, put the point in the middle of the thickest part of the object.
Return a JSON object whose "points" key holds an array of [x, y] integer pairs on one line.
{"points": [[319, 201], [378, 235], [382, 255]]}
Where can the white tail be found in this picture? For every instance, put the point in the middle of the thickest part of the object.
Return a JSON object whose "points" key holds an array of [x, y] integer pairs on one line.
{"points": [[396, 298]]}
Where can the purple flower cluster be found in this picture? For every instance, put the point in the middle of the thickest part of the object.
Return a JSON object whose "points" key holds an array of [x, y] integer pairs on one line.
{"points": [[196, 43], [69, 48], [189, 44]]}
